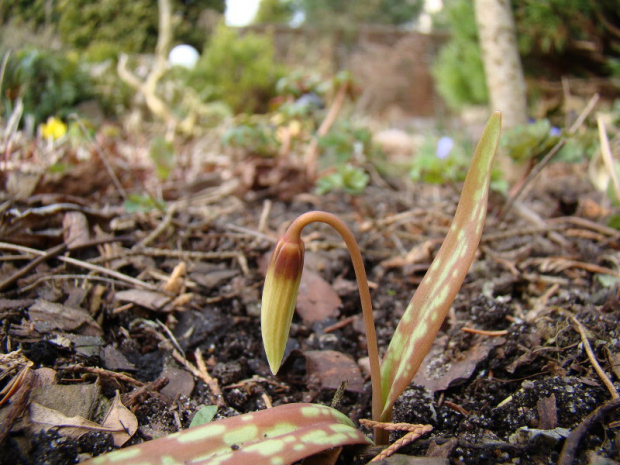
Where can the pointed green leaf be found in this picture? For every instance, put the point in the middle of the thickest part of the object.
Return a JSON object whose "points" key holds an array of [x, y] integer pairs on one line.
{"points": [[280, 435], [429, 305]]}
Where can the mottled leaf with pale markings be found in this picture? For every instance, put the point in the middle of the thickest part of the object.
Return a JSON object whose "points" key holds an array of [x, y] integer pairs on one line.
{"points": [[434, 296]]}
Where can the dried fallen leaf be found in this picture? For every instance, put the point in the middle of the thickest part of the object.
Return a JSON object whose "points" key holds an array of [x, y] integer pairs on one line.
{"points": [[75, 228], [437, 374], [119, 421], [316, 299], [329, 369], [48, 316], [147, 299]]}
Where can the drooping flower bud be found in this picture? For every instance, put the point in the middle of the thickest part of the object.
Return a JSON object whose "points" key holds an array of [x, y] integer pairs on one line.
{"points": [[280, 296]]}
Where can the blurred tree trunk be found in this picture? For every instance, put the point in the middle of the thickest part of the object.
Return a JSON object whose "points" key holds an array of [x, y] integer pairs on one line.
{"points": [[502, 64]]}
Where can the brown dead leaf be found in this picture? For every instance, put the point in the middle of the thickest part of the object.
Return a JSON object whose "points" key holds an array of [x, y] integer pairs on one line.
{"points": [[316, 299], [614, 360], [147, 299], [121, 421], [75, 228], [48, 316], [547, 410], [437, 373], [421, 253], [44, 418], [329, 369]]}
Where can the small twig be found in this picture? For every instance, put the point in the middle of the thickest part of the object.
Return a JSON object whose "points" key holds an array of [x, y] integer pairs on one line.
{"points": [[51, 253], [179, 254], [547, 158], [82, 264], [102, 372], [599, 370], [85, 277], [413, 433], [457, 408], [262, 222], [567, 457], [161, 227], [607, 156], [173, 339], [267, 400], [312, 152], [258, 234], [202, 375], [341, 324], [202, 366], [483, 332], [132, 397]]}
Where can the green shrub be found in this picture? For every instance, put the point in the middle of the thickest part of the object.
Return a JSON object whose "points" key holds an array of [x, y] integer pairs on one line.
{"points": [[458, 70], [49, 83], [237, 69], [131, 26]]}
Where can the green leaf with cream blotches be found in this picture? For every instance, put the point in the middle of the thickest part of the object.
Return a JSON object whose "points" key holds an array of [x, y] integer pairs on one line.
{"points": [[429, 305], [280, 435]]}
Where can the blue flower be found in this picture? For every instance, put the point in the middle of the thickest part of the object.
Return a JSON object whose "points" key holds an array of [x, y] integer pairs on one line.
{"points": [[444, 147]]}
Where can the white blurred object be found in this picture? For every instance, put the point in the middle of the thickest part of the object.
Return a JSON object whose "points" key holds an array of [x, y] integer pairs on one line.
{"points": [[183, 55]]}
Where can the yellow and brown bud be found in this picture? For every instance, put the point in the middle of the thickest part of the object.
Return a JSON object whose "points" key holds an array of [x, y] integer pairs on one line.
{"points": [[280, 296]]}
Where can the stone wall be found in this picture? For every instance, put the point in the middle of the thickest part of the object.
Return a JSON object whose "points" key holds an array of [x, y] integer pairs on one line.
{"points": [[392, 66]]}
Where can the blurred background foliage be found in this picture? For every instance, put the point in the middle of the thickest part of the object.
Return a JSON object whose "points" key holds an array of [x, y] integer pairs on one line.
{"points": [[61, 54], [557, 38], [238, 69], [49, 83], [338, 13], [115, 24]]}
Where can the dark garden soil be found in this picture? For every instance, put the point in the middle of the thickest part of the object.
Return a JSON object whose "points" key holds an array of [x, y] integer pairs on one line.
{"points": [[508, 381]]}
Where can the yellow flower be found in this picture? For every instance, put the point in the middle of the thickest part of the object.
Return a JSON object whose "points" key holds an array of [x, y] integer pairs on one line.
{"points": [[53, 129], [279, 297]]}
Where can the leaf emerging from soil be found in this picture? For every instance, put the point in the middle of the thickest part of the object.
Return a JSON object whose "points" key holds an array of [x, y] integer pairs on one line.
{"points": [[428, 307]]}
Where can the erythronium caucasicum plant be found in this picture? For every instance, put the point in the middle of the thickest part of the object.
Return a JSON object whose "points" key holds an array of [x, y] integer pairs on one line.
{"points": [[284, 434], [429, 305]]}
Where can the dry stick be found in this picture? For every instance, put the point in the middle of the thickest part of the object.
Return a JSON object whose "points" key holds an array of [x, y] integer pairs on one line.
{"points": [[158, 230], [567, 457], [413, 433], [203, 375], [313, 149], [166, 253], [545, 161], [262, 222], [483, 332], [102, 372], [586, 224], [58, 277], [82, 264], [607, 156], [584, 338], [202, 366], [51, 253]]}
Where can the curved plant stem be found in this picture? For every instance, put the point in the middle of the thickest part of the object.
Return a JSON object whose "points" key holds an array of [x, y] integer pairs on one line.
{"points": [[294, 231]]}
